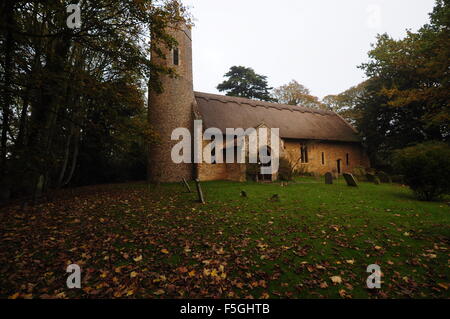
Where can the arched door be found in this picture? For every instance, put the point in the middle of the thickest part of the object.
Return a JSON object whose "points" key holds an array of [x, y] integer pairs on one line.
{"points": [[266, 151]]}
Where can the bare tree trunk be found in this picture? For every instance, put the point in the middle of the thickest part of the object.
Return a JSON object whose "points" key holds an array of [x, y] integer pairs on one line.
{"points": [[77, 136], [66, 158], [6, 107]]}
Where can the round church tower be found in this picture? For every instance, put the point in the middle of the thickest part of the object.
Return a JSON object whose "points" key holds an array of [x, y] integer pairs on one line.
{"points": [[172, 108]]}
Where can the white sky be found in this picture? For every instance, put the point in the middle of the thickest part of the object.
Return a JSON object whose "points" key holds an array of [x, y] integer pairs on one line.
{"points": [[319, 43]]}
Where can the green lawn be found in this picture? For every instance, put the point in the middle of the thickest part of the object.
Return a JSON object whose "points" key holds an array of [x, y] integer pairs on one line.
{"points": [[136, 242]]}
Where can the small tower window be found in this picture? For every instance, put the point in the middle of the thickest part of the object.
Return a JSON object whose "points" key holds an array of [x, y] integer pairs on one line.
{"points": [[176, 56], [323, 158], [304, 154], [347, 159]]}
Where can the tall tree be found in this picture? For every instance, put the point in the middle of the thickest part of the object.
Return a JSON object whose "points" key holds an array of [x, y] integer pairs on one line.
{"points": [[407, 97], [70, 96], [245, 82], [346, 103], [295, 93]]}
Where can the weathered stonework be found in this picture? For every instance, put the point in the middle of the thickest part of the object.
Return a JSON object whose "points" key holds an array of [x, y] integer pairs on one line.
{"points": [[332, 151], [171, 109], [323, 132]]}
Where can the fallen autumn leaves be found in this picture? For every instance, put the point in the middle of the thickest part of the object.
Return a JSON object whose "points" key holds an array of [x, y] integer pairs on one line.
{"points": [[134, 243]]}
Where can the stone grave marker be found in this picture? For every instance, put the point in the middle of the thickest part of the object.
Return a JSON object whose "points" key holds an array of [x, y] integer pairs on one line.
{"points": [[201, 198], [187, 185], [329, 178], [350, 180]]}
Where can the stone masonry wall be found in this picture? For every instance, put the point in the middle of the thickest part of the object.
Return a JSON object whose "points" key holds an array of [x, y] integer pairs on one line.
{"points": [[332, 151]]}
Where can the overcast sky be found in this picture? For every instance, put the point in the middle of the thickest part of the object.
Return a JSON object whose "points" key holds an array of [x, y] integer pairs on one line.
{"points": [[319, 43]]}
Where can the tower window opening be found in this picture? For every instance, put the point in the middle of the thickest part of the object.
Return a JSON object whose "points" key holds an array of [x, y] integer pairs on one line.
{"points": [[323, 158], [176, 56], [347, 159]]}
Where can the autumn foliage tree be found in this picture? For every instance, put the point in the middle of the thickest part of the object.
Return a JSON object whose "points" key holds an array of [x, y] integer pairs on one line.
{"points": [[73, 100], [295, 93], [406, 98]]}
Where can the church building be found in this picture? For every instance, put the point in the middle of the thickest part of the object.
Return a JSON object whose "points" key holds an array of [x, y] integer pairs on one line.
{"points": [[314, 141]]}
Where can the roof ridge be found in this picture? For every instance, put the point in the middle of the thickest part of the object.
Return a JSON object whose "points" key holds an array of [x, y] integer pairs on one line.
{"points": [[241, 100]]}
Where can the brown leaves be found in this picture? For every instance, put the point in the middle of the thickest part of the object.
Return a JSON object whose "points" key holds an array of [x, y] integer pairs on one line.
{"points": [[336, 279], [155, 245]]}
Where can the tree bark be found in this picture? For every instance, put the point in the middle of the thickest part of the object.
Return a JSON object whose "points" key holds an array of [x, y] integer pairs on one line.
{"points": [[6, 107], [77, 136], [66, 158]]}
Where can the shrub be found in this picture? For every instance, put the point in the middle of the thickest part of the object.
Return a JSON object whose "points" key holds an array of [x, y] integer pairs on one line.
{"points": [[426, 169], [359, 171], [286, 171], [399, 179], [384, 178]]}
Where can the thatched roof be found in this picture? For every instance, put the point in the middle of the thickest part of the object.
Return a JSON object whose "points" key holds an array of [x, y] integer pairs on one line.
{"points": [[294, 122]]}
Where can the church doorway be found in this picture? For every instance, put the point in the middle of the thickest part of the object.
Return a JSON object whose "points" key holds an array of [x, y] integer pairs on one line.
{"points": [[265, 177]]}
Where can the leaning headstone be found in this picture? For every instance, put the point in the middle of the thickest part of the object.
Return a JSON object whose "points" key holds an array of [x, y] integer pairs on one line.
{"points": [[350, 180], [244, 194], [187, 185], [201, 198], [328, 178]]}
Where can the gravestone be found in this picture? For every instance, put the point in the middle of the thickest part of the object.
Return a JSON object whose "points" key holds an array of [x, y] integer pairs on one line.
{"points": [[275, 198], [244, 194], [329, 178], [350, 180], [187, 185], [201, 198]]}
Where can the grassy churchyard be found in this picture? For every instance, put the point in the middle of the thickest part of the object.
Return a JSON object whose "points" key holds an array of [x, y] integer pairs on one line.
{"points": [[316, 241]]}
